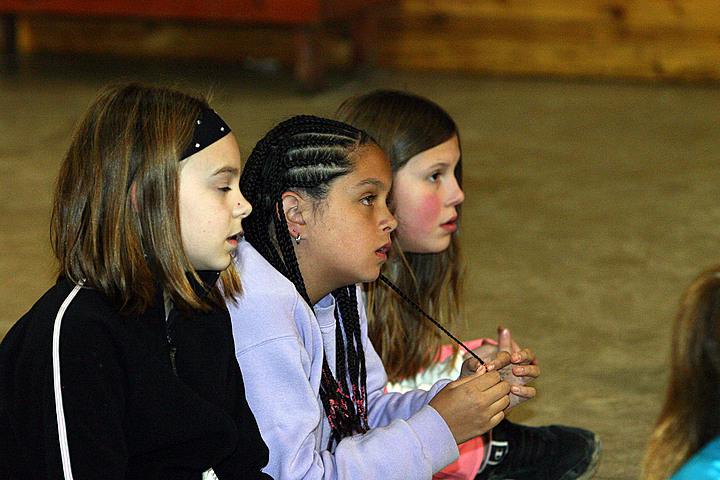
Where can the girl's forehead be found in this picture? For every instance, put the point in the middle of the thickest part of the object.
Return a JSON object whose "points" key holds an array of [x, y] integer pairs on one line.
{"points": [[372, 161], [220, 157], [371, 169], [447, 153]]}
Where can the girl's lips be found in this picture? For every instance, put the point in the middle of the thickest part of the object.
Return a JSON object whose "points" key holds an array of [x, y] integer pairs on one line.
{"points": [[382, 251], [449, 226], [233, 239]]}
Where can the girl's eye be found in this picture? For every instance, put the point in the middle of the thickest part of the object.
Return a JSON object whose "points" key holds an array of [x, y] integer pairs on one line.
{"points": [[225, 189], [434, 176], [368, 200]]}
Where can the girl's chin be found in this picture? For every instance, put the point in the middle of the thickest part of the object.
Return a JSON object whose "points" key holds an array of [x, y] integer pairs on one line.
{"points": [[438, 247], [216, 266], [370, 276], [431, 243]]}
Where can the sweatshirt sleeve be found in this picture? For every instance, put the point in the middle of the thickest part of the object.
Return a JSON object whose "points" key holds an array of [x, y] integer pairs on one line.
{"points": [[250, 455], [277, 349], [290, 417], [384, 407], [94, 401]]}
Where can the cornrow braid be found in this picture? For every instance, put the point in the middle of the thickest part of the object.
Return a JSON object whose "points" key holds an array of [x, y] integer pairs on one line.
{"points": [[307, 153], [347, 301]]}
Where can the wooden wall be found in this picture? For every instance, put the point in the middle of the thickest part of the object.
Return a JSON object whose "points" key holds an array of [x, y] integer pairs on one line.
{"points": [[648, 39], [620, 39]]}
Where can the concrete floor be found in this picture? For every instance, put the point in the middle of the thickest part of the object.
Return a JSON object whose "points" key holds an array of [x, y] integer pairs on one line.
{"points": [[589, 208]]}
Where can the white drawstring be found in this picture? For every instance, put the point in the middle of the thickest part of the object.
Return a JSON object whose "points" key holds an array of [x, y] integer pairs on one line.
{"points": [[209, 475], [62, 432]]}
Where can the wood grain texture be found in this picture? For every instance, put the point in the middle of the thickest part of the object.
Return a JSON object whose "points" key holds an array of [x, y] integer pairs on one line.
{"points": [[650, 40]]}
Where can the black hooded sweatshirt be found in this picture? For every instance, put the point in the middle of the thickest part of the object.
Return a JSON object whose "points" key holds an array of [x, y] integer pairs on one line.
{"points": [[144, 398]]}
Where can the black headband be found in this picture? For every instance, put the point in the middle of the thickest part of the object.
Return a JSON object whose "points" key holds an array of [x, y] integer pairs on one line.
{"points": [[209, 128]]}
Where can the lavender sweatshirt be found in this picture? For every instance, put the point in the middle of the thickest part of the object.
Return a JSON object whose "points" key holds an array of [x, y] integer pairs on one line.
{"points": [[279, 342]]}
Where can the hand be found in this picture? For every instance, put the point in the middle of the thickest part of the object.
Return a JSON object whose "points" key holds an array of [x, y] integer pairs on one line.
{"points": [[522, 368], [498, 361], [472, 405]]}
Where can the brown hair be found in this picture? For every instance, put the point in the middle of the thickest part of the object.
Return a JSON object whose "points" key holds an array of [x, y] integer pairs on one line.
{"points": [[404, 125], [689, 419], [115, 220]]}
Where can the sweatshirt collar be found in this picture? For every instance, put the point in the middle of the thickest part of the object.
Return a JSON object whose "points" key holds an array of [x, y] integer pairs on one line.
{"points": [[208, 278]]}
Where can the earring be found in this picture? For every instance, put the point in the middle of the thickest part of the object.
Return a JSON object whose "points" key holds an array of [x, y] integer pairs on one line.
{"points": [[297, 240]]}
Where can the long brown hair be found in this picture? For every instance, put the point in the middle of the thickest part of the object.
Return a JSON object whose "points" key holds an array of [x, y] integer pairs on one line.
{"points": [[115, 221], [689, 418], [404, 125]]}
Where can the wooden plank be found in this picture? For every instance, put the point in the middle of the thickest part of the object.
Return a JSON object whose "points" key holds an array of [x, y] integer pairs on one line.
{"points": [[567, 46], [675, 40], [561, 31], [140, 39], [663, 57], [692, 13]]}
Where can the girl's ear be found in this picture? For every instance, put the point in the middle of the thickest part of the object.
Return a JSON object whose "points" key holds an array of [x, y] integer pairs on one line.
{"points": [[294, 209]]}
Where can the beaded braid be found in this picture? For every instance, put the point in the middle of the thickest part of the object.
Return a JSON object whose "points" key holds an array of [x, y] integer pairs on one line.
{"points": [[308, 153], [347, 301]]}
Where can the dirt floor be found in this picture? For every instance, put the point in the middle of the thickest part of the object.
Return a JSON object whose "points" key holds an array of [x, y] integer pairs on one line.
{"points": [[589, 209]]}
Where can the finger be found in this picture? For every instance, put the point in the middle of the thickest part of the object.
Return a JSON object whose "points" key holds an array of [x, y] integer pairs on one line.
{"points": [[502, 360], [501, 403], [469, 366], [477, 384], [523, 356], [497, 418], [526, 371], [480, 372], [497, 391], [524, 392], [486, 350], [472, 364], [505, 341], [496, 408], [512, 346]]}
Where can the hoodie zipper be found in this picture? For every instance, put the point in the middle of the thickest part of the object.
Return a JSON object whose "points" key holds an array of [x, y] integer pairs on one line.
{"points": [[168, 322]]}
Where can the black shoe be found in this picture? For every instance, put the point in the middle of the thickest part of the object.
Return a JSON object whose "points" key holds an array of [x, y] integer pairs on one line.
{"points": [[555, 452]]}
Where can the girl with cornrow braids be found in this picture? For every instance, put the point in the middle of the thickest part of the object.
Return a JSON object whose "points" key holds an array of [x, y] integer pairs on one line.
{"points": [[320, 225]]}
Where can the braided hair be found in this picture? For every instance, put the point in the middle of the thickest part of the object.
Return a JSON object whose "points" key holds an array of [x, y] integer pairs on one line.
{"points": [[306, 154]]}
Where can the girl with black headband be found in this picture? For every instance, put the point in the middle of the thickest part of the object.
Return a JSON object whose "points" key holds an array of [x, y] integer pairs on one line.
{"points": [[125, 368], [320, 225]]}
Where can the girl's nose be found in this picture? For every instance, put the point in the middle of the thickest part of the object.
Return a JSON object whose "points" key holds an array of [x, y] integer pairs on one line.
{"points": [[389, 223], [455, 195], [243, 208]]}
